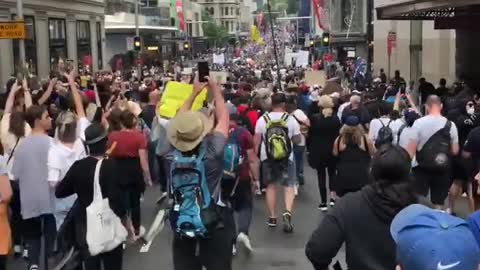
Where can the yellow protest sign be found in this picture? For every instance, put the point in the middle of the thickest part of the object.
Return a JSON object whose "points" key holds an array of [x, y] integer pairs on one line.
{"points": [[174, 97], [12, 30]]}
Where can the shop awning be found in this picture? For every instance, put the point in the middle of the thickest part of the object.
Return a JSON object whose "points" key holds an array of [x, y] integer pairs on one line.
{"points": [[422, 9], [130, 29]]}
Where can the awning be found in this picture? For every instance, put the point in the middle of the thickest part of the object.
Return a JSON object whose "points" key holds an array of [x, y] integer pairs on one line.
{"points": [[130, 28], [422, 9]]}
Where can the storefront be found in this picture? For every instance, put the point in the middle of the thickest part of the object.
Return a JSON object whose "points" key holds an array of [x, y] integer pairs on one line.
{"points": [[461, 15]]}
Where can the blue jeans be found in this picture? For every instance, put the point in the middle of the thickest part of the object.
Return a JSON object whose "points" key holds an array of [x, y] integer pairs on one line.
{"points": [[298, 152]]}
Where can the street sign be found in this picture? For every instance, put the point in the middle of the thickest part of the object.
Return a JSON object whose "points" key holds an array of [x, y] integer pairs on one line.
{"points": [[130, 43], [391, 41], [12, 30]]}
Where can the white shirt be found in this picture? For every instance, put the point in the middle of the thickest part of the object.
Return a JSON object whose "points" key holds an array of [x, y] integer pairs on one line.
{"points": [[261, 128], [376, 125], [302, 117]]}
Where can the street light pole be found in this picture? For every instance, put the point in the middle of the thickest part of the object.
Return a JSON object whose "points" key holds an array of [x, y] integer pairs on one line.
{"points": [[279, 80], [137, 33], [21, 42]]}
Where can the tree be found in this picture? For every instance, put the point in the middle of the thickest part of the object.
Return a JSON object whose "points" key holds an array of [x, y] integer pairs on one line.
{"points": [[216, 35]]}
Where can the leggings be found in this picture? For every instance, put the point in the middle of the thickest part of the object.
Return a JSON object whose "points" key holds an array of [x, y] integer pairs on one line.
{"points": [[133, 202], [16, 216], [322, 179]]}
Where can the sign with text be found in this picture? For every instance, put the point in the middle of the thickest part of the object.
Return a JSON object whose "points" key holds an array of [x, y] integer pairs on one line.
{"points": [[175, 95], [12, 30], [391, 42]]}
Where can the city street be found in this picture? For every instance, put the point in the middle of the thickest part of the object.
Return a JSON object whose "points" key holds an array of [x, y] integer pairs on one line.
{"points": [[274, 250]]}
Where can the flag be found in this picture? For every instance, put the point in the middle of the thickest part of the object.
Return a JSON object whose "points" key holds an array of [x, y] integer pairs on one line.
{"points": [[176, 12], [317, 6]]}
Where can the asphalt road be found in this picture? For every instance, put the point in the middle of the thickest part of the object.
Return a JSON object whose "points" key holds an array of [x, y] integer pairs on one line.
{"points": [[274, 250]]}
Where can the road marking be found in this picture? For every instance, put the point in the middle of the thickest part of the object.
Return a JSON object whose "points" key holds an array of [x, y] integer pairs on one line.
{"points": [[155, 228]]}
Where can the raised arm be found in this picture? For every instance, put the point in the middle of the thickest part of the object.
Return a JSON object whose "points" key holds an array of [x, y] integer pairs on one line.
{"points": [[77, 99], [197, 89], [11, 98], [223, 118], [47, 93]]}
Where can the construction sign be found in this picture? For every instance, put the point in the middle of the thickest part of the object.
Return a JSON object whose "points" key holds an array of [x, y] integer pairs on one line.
{"points": [[12, 30]]}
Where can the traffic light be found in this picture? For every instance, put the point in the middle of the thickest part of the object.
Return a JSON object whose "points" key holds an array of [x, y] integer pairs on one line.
{"points": [[137, 44], [326, 39], [312, 43], [186, 45]]}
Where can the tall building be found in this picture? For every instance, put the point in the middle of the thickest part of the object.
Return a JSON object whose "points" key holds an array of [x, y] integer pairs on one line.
{"points": [[156, 29], [348, 27], [234, 15], [55, 29]]}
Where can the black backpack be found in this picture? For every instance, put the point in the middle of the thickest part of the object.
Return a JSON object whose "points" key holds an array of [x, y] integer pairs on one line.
{"points": [[385, 135], [400, 132], [435, 153]]}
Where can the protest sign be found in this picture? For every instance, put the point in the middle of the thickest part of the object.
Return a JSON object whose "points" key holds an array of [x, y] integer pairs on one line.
{"points": [[315, 77], [174, 97]]}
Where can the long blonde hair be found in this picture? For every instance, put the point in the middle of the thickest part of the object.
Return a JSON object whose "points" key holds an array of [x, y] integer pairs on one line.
{"points": [[352, 134], [326, 103]]}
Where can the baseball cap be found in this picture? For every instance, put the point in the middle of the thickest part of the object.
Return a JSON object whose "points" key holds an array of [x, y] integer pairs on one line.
{"points": [[429, 239]]}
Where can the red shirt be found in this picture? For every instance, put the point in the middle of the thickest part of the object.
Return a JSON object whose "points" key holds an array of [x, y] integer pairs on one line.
{"points": [[128, 143], [245, 141], [251, 115]]}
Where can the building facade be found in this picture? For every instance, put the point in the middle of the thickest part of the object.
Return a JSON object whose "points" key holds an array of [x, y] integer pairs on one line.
{"points": [[348, 28], [234, 15], [55, 30], [420, 51]]}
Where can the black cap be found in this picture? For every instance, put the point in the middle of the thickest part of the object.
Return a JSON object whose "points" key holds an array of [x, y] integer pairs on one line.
{"points": [[95, 133]]}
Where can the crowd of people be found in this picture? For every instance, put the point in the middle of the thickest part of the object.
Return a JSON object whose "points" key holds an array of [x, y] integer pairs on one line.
{"points": [[387, 158]]}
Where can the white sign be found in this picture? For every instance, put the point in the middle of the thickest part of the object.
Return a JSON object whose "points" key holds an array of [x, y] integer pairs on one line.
{"points": [[219, 59], [302, 58], [129, 43]]}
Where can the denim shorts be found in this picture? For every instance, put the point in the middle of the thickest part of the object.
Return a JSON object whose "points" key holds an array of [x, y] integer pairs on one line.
{"points": [[275, 173]]}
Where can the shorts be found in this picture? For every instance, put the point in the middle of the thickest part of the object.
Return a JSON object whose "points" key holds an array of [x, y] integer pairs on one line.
{"points": [[275, 173], [437, 183], [459, 169]]}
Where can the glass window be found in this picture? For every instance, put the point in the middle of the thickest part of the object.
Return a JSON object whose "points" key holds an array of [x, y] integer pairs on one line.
{"points": [[352, 16], [30, 47], [84, 50], [57, 41], [226, 11], [99, 45]]}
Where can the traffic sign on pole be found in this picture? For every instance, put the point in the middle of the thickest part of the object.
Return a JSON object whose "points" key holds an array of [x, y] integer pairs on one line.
{"points": [[12, 30]]}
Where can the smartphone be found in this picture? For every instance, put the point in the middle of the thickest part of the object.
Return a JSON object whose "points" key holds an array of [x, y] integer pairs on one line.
{"points": [[203, 71]]}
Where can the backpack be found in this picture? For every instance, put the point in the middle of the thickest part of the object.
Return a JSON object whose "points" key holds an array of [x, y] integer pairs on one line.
{"points": [[435, 153], [190, 194], [400, 132], [385, 135], [243, 121], [232, 159], [277, 141]]}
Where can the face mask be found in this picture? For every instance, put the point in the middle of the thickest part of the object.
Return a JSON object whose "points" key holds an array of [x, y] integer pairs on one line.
{"points": [[470, 110]]}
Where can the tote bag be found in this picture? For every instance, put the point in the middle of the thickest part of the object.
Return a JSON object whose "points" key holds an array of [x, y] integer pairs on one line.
{"points": [[105, 231]]}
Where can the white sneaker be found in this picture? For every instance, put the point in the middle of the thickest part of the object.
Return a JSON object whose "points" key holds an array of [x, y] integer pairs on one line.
{"points": [[234, 250], [243, 238], [17, 249], [25, 253]]}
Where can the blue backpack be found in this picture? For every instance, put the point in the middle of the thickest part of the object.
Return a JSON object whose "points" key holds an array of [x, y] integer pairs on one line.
{"points": [[232, 159], [190, 194]]}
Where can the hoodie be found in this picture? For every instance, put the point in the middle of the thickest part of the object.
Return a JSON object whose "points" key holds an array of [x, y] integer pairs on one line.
{"points": [[361, 220]]}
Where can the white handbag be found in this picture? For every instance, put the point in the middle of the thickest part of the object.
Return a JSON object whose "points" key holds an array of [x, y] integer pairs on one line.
{"points": [[105, 231]]}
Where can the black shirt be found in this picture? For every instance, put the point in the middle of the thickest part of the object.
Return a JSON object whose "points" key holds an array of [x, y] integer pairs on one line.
{"points": [[79, 180]]}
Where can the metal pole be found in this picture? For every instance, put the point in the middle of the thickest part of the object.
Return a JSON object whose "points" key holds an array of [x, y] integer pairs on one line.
{"points": [[369, 35], [137, 33], [297, 31], [279, 79], [21, 42]]}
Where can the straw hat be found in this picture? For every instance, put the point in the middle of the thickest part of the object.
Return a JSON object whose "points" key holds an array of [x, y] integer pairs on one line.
{"points": [[187, 129]]}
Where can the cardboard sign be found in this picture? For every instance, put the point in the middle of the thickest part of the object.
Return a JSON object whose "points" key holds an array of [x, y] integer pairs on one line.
{"points": [[315, 77], [219, 76], [174, 97], [12, 30]]}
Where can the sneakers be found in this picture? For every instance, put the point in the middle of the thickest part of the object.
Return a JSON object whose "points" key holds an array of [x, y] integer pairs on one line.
{"points": [[332, 202], [287, 220], [272, 222], [323, 207], [17, 251], [33, 267], [245, 241], [234, 250]]}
